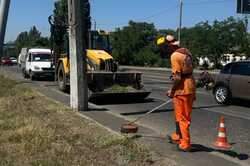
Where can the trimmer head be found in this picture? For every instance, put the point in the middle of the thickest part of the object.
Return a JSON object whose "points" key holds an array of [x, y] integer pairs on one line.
{"points": [[129, 128]]}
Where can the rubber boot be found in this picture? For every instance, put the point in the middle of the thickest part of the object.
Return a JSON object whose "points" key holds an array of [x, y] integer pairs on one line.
{"points": [[175, 137]]}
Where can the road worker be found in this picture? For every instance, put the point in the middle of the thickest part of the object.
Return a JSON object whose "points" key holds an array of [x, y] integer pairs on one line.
{"points": [[182, 91]]}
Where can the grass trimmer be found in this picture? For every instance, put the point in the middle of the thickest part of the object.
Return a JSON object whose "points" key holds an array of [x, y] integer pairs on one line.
{"points": [[131, 127]]}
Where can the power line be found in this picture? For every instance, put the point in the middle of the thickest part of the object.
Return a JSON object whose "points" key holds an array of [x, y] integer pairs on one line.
{"points": [[158, 13], [208, 2], [172, 8], [175, 7], [150, 16]]}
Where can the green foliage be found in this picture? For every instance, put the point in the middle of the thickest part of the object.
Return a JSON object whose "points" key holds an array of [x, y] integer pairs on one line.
{"points": [[135, 44], [32, 38], [130, 44], [145, 57], [227, 36], [59, 27]]}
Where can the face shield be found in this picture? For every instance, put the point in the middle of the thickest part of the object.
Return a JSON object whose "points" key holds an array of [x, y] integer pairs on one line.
{"points": [[165, 50]]}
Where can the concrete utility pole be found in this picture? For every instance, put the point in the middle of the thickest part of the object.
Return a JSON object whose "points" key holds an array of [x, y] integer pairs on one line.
{"points": [[180, 21], [4, 11], [78, 67]]}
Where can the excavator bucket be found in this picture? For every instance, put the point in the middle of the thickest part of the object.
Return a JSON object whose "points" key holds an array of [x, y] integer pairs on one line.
{"points": [[116, 85]]}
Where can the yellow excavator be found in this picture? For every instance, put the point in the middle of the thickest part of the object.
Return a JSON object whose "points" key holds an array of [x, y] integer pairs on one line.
{"points": [[104, 79]]}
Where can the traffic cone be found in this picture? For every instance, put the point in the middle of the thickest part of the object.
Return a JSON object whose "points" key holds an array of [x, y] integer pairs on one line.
{"points": [[221, 141]]}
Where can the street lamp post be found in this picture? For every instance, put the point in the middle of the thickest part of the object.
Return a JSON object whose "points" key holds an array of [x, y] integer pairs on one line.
{"points": [[4, 10], [180, 21], [78, 65]]}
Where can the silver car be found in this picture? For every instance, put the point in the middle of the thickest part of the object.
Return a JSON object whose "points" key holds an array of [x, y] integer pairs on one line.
{"points": [[233, 82], [13, 60]]}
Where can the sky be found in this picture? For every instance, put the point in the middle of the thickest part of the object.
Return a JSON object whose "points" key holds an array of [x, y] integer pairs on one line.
{"points": [[110, 14]]}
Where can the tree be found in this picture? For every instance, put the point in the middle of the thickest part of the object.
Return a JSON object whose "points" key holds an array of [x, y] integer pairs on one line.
{"points": [[130, 42], [227, 36], [32, 38], [196, 38], [22, 40], [59, 26]]}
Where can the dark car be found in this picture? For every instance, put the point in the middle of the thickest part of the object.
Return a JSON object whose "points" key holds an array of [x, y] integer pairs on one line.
{"points": [[233, 82], [6, 61]]}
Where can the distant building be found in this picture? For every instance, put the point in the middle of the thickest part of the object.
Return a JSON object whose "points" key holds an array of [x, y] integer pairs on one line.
{"points": [[9, 46], [228, 58], [205, 62], [9, 50]]}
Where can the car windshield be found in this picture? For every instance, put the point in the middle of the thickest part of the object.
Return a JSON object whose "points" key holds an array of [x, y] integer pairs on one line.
{"points": [[41, 57]]}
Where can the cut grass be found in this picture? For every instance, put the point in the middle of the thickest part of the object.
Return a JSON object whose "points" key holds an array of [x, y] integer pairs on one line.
{"points": [[120, 89], [39, 132]]}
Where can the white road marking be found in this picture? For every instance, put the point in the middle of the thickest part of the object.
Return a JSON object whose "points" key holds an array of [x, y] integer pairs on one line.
{"points": [[228, 112]]}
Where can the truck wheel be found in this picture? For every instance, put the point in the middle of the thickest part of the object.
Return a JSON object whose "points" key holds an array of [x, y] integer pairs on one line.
{"points": [[61, 78], [32, 77], [222, 95], [24, 74]]}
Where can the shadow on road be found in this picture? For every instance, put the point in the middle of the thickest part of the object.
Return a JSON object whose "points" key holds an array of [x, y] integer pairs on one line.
{"points": [[42, 79], [241, 103], [201, 148], [118, 101]]}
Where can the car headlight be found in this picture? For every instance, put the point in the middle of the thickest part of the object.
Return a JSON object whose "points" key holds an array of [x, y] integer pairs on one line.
{"points": [[36, 67]]}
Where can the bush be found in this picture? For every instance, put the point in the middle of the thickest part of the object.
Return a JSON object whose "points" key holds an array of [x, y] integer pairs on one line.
{"points": [[163, 63], [146, 57]]}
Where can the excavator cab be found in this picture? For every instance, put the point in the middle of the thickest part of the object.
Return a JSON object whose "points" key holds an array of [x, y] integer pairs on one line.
{"points": [[99, 52], [99, 40]]}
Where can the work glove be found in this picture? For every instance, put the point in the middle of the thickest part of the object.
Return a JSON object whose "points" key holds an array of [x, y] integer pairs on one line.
{"points": [[170, 93]]}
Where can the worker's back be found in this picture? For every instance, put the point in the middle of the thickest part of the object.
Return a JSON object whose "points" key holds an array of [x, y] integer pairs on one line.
{"points": [[181, 61]]}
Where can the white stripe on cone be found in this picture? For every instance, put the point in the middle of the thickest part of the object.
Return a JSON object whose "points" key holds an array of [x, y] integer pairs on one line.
{"points": [[222, 125], [222, 135]]}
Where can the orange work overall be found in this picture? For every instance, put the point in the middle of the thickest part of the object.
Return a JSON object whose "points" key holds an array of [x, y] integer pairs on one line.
{"points": [[184, 96]]}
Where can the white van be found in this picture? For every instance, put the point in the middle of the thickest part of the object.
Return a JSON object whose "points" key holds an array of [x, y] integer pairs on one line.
{"points": [[38, 63]]}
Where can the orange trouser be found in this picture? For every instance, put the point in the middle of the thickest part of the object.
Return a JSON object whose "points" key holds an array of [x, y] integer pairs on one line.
{"points": [[182, 109]]}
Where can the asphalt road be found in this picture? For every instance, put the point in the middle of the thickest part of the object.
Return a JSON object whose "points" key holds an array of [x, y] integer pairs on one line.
{"points": [[205, 116]]}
